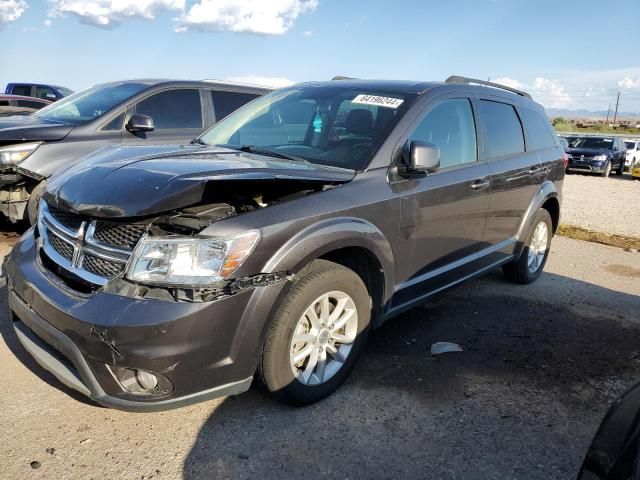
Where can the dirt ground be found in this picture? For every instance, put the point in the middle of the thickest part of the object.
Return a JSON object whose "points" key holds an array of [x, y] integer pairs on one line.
{"points": [[541, 365]]}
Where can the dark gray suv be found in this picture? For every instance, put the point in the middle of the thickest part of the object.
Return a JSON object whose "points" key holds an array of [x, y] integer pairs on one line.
{"points": [[161, 276], [131, 112]]}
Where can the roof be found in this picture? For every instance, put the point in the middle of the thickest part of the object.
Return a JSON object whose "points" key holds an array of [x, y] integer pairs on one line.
{"points": [[152, 82], [403, 86]]}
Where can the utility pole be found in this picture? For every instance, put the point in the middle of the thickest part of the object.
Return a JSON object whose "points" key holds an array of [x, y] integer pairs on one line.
{"points": [[608, 112], [615, 115]]}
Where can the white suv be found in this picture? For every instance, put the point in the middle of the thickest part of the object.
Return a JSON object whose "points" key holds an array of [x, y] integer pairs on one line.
{"points": [[633, 153]]}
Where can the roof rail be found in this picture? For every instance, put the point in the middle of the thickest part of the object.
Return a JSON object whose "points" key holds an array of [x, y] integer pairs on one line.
{"points": [[342, 77], [465, 80]]}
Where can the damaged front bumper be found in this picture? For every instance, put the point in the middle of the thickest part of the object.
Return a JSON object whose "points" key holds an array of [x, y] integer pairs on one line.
{"points": [[199, 350], [15, 189]]}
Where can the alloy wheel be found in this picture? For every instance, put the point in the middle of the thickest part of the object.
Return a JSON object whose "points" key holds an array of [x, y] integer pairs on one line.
{"points": [[323, 338], [538, 247]]}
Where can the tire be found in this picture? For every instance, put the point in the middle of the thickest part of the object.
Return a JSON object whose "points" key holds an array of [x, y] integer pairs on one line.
{"points": [[620, 170], [34, 202], [607, 170], [276, 366], [520, 271]]}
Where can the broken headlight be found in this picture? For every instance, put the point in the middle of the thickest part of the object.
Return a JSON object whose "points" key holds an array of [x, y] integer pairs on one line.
{"points": [[193, 262], [12, 154]]}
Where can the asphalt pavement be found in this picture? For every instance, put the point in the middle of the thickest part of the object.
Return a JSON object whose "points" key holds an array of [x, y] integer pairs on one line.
{"points": [[539, 368]]}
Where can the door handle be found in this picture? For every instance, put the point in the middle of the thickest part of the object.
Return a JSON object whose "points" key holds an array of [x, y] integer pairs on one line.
{"points": [[480, 184]]}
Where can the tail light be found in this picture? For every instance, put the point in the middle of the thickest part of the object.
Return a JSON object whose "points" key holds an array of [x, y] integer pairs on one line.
{"points": [[565, 160]]}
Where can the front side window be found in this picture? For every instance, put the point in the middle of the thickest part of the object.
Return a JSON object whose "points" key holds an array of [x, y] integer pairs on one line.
{"points": [[503, 131], [450, 127], [42, 92], [173, 109], [331, 125], [226, 102], [82, 107]]}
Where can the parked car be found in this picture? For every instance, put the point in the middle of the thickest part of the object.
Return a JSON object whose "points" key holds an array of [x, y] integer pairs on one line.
{"points": [[117, 113], [598, 155], [37, 90], [564, 143], [162, 276], [635, 172], [614, 453], [633, 153], [19, 105]]}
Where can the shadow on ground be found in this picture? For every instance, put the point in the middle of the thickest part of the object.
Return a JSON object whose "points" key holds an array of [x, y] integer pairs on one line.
{"points": [[522, 401]]}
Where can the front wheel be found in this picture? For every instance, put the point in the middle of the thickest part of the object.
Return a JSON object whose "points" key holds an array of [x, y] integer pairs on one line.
{"points": [[529, 266], [316, 334], [620, 170], [607, 170]]}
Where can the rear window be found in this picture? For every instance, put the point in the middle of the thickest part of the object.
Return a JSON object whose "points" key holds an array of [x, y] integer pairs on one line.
{"points": [[538, 128], [225, 103], [503, 131]]}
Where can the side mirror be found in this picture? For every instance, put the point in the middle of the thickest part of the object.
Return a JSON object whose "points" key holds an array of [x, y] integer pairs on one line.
{"points": [[51, 96], [422, 157], [140, 123]]}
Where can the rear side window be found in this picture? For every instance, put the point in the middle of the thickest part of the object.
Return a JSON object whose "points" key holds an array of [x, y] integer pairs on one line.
{"points": [[450, 126], [173, 109], [225, 103], [538, 129], [503, 131], [22, 90]]}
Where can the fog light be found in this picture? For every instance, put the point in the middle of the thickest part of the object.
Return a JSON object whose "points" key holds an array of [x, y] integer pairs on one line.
{"points": [[141, 382]]}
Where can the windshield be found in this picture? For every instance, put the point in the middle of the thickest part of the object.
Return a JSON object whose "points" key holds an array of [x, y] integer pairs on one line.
{"points": [[593, 142], [331, 125], [82, 107]]}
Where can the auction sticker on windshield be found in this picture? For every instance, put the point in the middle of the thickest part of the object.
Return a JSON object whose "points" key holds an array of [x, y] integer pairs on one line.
{"points": [[389, 102]]}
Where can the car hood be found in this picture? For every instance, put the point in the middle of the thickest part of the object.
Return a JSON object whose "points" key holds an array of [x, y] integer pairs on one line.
{"points": [[147, 180], [588, 152], [31, 129]]}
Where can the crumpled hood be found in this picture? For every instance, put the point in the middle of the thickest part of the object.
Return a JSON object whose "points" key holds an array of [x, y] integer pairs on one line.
{"points": [[30, 129], [147, 180]]}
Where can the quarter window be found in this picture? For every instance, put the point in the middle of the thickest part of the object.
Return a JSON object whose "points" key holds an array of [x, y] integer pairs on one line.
{"points": [[538, 128], [173, 109], [226, 102], [451, 127], [115, 124], [503, 131]]}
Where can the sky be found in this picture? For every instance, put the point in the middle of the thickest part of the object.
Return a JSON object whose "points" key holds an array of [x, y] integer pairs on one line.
{"points": [[567, 54]]}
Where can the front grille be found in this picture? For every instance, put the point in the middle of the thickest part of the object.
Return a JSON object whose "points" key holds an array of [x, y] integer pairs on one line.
{"points": [[117, 234], [94, 251], [68, 219], [101, 267], [63, 248]]}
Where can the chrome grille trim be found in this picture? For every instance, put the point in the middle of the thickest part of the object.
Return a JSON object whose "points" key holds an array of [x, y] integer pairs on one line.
{"points": [[83, 242]]}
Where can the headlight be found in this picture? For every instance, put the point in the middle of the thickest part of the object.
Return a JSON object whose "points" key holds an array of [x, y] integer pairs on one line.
{"points": [[193, 262], [16, 153], [600, 157]]}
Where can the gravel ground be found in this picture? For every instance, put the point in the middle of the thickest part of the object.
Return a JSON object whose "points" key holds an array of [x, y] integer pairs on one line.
{"points": [[608, 205], [540, 366]]}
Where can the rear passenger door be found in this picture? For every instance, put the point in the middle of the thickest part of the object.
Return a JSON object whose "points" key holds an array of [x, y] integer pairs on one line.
{"points": [[443, 213], [515, 172], [177, 114]]}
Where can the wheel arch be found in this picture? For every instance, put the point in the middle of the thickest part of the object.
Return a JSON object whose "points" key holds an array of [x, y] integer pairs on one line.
{"points": [[546, 197]]}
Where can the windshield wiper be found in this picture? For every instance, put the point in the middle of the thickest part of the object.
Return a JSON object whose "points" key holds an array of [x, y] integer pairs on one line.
{"points": [[270, 153], [198, 141]]}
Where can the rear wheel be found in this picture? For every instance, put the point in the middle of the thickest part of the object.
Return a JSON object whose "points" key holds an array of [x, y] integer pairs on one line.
{"points": [[534, 256], [316, 334]]}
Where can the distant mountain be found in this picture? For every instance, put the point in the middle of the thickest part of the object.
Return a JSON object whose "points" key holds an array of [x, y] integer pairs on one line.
{"points": [[560, 112]]}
